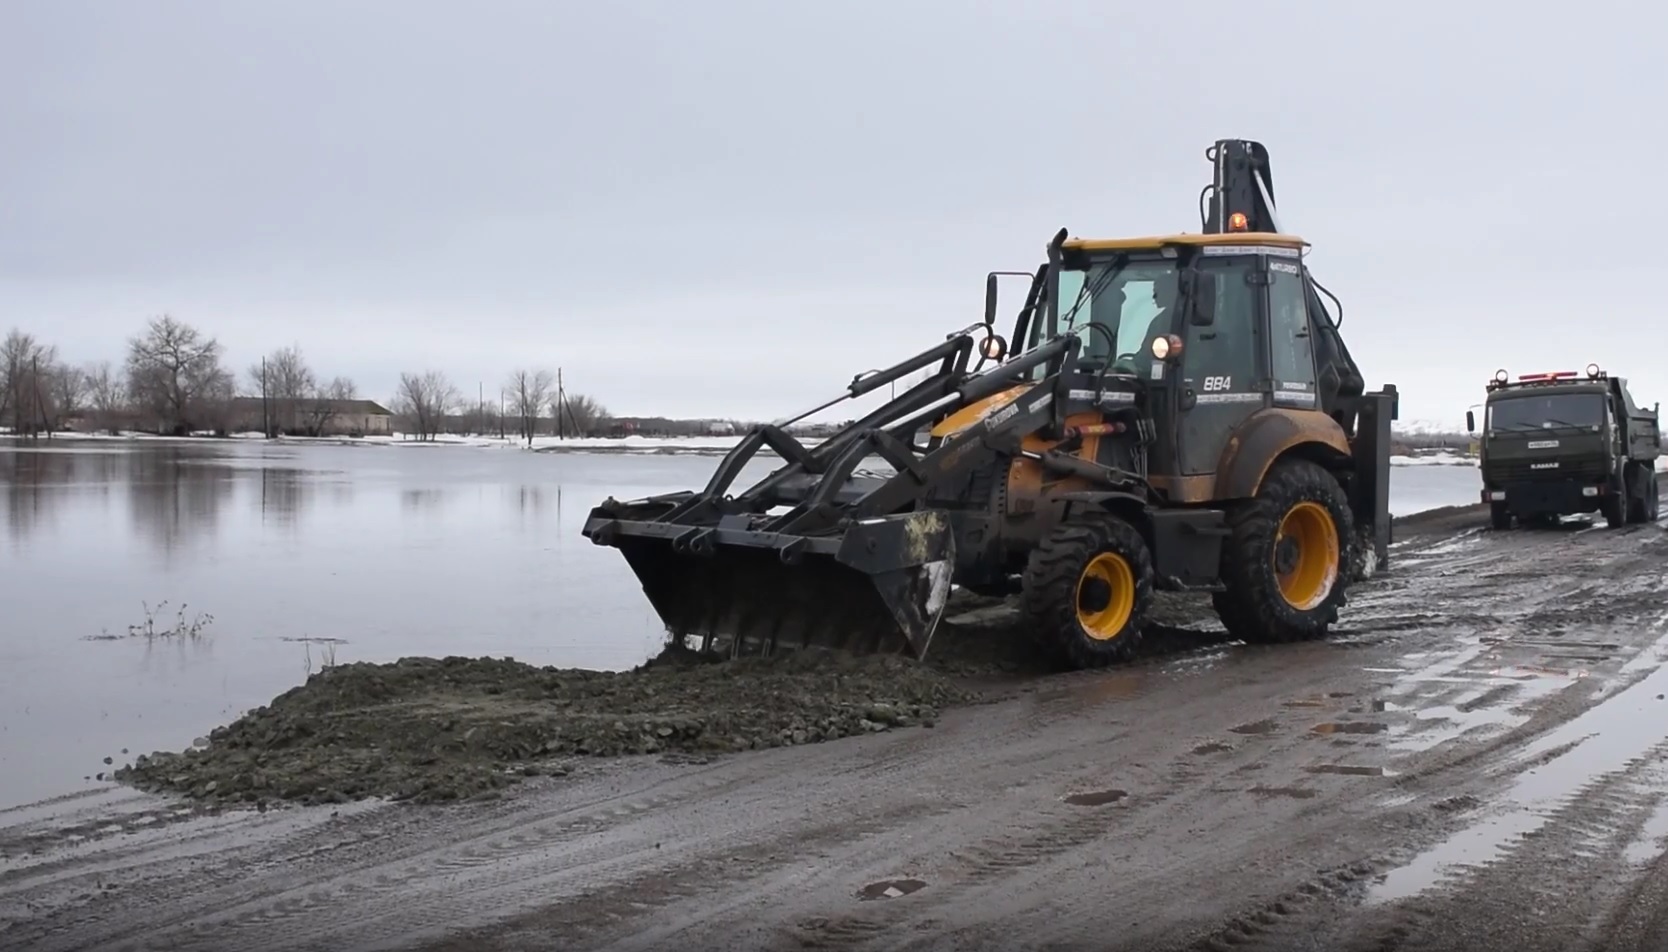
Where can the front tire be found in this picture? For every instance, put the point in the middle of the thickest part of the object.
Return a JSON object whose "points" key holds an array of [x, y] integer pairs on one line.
{"points": [[1499, 516], [1282, 561], [1614, 505], [1087, 590]]}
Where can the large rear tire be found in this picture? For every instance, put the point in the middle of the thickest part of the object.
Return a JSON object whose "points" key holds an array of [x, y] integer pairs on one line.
{"points": [[1282, 563], [1087, 590]]}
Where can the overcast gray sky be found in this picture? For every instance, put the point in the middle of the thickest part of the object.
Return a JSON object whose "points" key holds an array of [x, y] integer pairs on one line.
{"points": [[727, 208]]}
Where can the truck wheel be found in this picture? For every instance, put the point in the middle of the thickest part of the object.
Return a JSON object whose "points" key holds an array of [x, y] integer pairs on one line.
{"points": [[1499, 516], [1282, 561], [1638, 499], [1614, 507], [1087, 590]]}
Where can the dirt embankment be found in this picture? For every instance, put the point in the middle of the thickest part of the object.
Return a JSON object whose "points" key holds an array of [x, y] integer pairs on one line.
{"points": [[443, 729]]}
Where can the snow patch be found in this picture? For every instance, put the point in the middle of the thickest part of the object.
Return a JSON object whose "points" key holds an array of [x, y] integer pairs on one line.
{"points": [[1433, 459]]}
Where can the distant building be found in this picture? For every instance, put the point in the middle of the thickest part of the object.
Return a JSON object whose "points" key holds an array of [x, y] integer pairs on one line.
{"points": [[310, 417]]}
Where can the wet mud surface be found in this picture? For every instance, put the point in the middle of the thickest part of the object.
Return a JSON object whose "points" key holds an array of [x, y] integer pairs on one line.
{"points": [[1478, 758]]}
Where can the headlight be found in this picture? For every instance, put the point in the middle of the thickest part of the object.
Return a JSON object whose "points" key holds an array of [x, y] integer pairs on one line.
{"points": [[1166, 347]]}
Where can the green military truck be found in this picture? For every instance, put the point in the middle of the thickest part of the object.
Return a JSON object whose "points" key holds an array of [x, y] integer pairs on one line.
{"points": [[1554, 444]]}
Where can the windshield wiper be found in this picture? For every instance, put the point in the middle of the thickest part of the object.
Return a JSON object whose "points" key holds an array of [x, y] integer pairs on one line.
{"points": [[1099, 286], [1539, 426]]}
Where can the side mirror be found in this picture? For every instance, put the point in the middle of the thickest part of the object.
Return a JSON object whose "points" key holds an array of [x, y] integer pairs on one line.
{"points": [[1199, 290], [1470, 422], [990, 299]]}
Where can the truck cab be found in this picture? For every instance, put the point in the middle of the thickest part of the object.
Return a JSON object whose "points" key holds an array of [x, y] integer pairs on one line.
{"points": [[1557, 444]]}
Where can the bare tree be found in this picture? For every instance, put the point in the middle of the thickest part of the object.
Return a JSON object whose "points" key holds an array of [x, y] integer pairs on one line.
{"points": [[68, 387], [579, 414], [283, 380], [529, 391], [20, 387], [425, 399], [174, 374], [283, 375], [327, 402], [105, 394]]}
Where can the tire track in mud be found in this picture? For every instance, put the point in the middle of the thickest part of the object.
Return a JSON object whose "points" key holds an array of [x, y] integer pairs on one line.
{"points": [[1571, 847], [996, 862], [260, 880], [1336, 882], [604, 885]]}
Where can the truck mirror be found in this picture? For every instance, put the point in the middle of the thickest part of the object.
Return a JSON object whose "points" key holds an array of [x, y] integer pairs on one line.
{"points": [[1199, 290], [1470, 422], [990, 299]]}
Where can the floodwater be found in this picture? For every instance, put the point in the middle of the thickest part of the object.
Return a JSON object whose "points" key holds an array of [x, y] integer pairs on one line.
{"points": [[292, 556]]}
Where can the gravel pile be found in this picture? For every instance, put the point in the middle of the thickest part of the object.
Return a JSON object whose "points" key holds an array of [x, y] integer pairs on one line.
{"points": [[429, 729]]}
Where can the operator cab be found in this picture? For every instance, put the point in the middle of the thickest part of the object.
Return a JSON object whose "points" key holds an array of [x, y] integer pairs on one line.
{"points": [[1120, 295], [1212, 327]]}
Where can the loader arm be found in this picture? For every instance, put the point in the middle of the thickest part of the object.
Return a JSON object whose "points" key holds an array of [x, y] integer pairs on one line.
{"points": [[862, 566]]}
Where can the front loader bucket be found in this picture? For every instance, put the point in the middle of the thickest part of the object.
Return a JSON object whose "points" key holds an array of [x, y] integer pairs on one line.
{"points": [[879, 587]]}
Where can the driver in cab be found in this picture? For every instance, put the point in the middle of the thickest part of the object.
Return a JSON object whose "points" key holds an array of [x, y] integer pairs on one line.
{"points": [[1139, 361]]}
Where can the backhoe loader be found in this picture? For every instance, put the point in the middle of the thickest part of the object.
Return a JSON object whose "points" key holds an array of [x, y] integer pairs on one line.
{"points": [[1177, 413]]}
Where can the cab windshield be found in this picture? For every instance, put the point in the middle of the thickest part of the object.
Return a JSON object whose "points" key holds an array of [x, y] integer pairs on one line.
{"points": [[1132, 300], [1546, 411]]}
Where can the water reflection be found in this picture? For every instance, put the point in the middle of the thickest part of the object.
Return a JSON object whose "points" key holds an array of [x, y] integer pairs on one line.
{"points": [[175, 494], [417, 500], [172, 504]]}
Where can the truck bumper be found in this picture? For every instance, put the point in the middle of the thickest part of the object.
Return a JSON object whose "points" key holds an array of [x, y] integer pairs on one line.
{"points": [[1548, 498]]}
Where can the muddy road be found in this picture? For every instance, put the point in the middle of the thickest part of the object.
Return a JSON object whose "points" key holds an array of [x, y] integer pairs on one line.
{"points": [[1478, 759]]}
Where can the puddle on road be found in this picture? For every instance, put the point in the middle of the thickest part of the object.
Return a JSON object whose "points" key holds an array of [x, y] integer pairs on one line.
{"points": [[1264, 726], [1648, 845], [1353, 770], [1495, 704], [1604, 739], [1351, 727], [1295, 793], [1213, 747], [1098, 798], [890, 889]]}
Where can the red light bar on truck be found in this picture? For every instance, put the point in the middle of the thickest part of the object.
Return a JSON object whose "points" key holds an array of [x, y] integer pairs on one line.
{"points": [[1552, 375]]}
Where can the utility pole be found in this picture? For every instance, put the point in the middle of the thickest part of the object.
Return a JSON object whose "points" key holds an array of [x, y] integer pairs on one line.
{"points": [[39, 416], [266, 407], [561, 408]]}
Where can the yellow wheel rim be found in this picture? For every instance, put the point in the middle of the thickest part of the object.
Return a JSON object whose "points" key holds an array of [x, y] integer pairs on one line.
{"points": [[1306, 555], [1105, 596]]}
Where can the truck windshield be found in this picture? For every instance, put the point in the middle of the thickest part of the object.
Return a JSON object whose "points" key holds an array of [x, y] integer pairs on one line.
{"points": [[1542, 411], [1132, 300]]}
